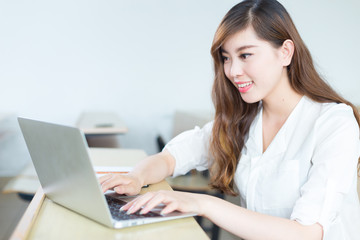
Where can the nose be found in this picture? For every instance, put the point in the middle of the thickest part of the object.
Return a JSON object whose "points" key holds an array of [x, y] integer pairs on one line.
{"points": [[236, 69]]}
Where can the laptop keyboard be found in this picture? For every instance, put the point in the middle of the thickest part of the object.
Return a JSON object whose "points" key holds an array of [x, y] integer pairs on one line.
{"points": [[115, 205]]}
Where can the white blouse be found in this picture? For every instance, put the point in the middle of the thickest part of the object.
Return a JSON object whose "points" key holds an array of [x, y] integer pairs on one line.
{"points": [[308, 173]]}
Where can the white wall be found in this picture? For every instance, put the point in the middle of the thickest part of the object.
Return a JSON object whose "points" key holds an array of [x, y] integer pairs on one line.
{"points": [[143, 59], [330, 29]]}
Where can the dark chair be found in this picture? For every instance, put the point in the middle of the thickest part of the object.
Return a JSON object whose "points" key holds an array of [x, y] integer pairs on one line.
{"points": [[26, 196]]}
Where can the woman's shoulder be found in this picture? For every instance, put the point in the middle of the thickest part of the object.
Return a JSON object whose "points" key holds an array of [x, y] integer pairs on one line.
{"points": [[331, 116], [329, 109]]}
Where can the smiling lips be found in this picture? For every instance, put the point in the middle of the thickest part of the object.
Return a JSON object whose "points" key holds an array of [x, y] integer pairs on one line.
{"points": [[244, 86]]}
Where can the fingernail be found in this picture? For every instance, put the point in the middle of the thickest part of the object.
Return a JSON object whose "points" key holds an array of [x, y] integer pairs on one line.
{"points": [[142, 212], [121, 209], [129, 211]]}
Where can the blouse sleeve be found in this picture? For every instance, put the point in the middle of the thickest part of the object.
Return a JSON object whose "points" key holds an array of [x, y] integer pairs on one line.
{"points": [[333, 170], [191, 149]]}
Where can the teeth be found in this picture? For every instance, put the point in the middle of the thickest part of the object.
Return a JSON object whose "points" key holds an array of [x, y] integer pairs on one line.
{"points": [[245, 84]]}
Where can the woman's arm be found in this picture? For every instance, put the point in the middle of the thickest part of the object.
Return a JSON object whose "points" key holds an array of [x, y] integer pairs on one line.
{"points": [[237, 220], [152, 169], [252, 225]]}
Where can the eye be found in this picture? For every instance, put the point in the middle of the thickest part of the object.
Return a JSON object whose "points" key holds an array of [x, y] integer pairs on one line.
{"points": [[225, 59], [245, 55]]}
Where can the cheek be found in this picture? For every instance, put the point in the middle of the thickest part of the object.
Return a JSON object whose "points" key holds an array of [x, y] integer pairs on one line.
{"points": [[228, 75], [227, 70], [269, 69]]}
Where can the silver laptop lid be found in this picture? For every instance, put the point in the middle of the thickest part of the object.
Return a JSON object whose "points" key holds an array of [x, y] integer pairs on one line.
{"points": [[61, 159], [62, 163]]}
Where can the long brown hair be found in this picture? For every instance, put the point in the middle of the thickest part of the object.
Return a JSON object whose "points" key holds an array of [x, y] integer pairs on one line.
{"points": [[233, 116]]}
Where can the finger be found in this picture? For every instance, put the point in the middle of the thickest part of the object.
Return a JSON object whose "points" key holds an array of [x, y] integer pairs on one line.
{"points": [[153, 202], [139, 202], [120, 189], [126, 206], [104, 178], [114, 181], [170, 208], [129, 189]]}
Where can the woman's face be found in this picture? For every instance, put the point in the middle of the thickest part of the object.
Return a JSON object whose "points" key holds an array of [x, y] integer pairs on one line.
{"points": [[254, 66]]}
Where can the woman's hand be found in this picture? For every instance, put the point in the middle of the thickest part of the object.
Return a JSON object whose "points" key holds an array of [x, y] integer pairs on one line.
{"points": [[174, 200], [121, 183], [150, 170]]}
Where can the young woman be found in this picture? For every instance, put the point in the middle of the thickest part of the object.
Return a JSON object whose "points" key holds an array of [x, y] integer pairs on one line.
{"points": [[281, 136]]}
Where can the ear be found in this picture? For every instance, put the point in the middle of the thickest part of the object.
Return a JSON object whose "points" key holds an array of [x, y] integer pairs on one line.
{"points": [[287, 52]]}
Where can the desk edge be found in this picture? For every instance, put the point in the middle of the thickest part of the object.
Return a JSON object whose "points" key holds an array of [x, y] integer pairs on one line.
{"points": [[27, 220]]}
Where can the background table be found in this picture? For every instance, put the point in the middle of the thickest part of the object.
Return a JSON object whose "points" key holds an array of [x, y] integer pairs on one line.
{"points": [[101, 129]]}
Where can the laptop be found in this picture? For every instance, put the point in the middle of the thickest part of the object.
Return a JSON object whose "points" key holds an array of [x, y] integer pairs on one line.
{"points": [[62, 163]]}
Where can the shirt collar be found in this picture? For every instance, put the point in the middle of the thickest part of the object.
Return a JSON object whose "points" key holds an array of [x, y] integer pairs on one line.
{"points": [[254, 144]]}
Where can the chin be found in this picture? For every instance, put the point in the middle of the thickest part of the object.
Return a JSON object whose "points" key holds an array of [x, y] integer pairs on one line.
{"points": [[249, 99]]}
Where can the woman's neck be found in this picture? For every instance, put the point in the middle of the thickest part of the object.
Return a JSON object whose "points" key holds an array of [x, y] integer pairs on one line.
{"points": [[280, 106], [282, 100]]}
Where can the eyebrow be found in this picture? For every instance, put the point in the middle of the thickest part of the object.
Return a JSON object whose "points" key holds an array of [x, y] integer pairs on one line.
{"points": [[240, 48]]}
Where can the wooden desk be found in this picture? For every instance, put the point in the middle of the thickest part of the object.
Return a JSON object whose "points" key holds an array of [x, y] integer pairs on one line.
{"points": [[45, 219]]}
